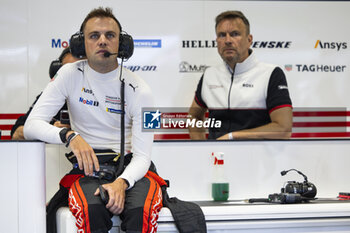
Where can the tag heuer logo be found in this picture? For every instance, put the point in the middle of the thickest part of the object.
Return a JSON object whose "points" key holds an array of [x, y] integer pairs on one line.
{"points": [[288, 67]]}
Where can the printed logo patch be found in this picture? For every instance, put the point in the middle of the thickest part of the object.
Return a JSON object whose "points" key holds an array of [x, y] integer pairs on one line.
{"points": [[151, 119]]}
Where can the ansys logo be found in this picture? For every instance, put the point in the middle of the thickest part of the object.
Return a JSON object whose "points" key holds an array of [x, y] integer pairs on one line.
{"points": [[331, 45]]}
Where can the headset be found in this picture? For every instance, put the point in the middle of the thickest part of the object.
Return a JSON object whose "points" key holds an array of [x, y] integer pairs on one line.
{"points": [[306, 189], [292, 192], [57, 63], [126, 44]]}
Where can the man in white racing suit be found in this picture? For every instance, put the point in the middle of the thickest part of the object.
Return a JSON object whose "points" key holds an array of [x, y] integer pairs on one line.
{"points": [[92, 90]]}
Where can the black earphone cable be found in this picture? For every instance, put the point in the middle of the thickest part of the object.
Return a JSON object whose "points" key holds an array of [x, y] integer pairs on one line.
{"points": [[122, 121]]}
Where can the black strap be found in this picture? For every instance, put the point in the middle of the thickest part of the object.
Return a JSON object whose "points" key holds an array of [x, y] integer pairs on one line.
{"points": [[188, 216], [63, 134], [106, 157]]}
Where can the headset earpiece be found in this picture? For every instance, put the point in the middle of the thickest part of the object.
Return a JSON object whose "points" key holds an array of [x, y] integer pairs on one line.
{"points": [[57, 64], [126, 46], [54, 67], [77, 45]]}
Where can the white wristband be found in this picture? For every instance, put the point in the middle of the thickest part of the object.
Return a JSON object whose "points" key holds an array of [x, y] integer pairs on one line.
{"points": [[230, 136]]}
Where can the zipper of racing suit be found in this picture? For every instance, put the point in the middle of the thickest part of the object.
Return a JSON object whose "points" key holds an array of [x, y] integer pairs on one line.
{"points": [[229, 92], [229, 100]]}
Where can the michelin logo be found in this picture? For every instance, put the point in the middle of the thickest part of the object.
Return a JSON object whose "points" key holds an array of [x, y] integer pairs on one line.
{"points": [[148, 43], [113, 110]]}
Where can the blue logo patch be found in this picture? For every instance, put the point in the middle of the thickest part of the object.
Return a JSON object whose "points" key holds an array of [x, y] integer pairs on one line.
{"points": [[151, 119], [88, 102], [147, 43], [112, 110]]}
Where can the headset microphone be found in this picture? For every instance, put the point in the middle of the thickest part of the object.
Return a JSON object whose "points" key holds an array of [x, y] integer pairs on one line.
{"points": [[285, 172], [108, 54], [292, 192], [305, 189]]}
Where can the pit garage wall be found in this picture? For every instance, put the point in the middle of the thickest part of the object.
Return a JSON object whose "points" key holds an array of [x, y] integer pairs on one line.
{"points": [[175, 41], [252, 168]]}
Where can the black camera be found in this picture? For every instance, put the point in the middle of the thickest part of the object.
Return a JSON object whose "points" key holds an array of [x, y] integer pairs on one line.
{"points": [[305, 189], [64, 117], [292, 192]]}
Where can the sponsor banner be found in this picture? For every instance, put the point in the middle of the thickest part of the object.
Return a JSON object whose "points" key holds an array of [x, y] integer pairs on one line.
{"points": [[138, 43], [171, 55], [189, 46], [316, 68], [59, 43], [136, 68], [199, 44], [331, 45], [272, 44], [186, 67], [146, 43]]}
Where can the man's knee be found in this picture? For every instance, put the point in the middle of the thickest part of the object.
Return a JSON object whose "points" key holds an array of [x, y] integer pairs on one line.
{"points": [[89, 210], [143, 204], [132, 220]]}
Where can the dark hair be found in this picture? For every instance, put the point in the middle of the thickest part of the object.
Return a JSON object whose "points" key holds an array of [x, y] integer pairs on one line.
{"points": [[57, 64], [100, 13], [232, 15], [64, 53]]}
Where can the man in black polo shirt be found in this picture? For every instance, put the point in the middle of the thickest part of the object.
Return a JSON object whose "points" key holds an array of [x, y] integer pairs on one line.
{"points": [[250, 98]]}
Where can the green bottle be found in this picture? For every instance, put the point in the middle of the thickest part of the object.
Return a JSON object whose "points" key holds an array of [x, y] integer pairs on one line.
{"points": [[220, 187], [220, 191]]}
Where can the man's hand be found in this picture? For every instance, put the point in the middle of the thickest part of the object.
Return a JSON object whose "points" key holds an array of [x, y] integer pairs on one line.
{"points": [[85, 155], [223, 137], [18, 134], [116, 192], [279, 128], [60, 125]]}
